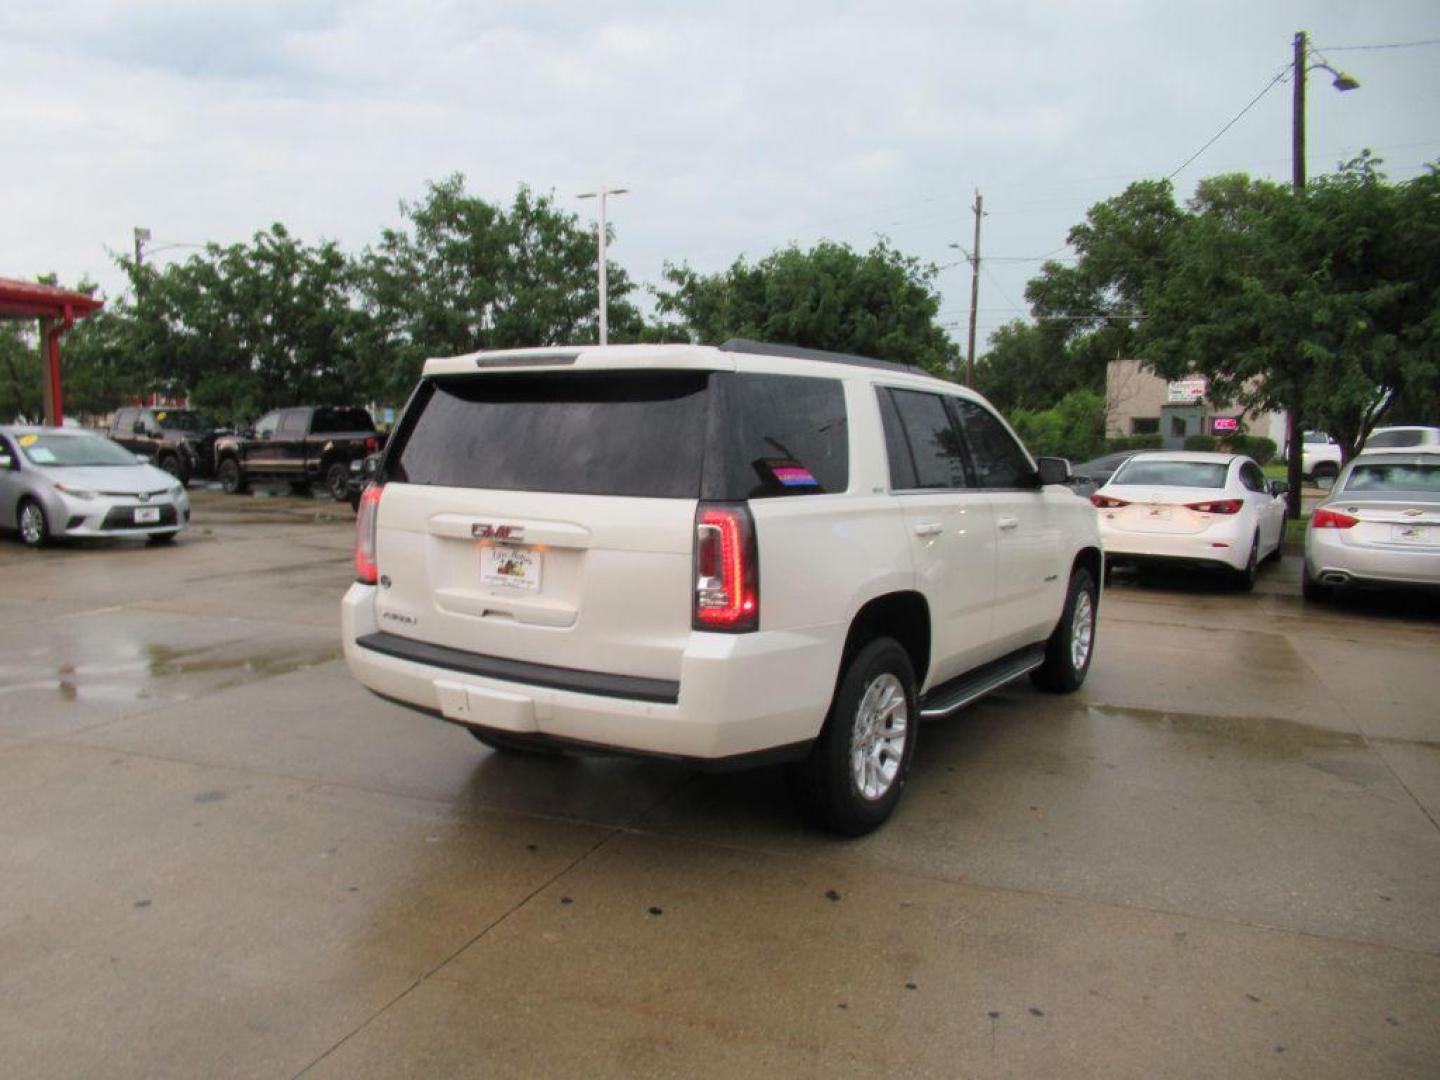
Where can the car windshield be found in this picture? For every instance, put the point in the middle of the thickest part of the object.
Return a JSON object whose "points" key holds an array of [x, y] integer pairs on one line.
{"points": [[56, 449], [1394, 477], [183, 420], [1196, 474]]}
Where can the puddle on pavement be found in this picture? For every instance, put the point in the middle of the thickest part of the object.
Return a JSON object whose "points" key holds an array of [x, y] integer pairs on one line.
{"points": [[1268, 735], [132, 678]]}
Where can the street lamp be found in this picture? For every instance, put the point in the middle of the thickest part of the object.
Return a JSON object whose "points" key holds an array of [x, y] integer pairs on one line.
{"points": [[601, 195], [1343, 83]]}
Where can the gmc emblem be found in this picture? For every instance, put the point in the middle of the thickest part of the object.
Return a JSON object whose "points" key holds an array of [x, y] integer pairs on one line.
{"points": [[486, 531]]}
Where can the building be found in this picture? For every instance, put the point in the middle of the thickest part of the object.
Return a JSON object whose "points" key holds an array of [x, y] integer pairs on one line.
{"points": [[1139, 402]]}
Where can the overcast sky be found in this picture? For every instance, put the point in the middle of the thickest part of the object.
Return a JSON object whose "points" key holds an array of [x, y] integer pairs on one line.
{"points": [[738, 127]]}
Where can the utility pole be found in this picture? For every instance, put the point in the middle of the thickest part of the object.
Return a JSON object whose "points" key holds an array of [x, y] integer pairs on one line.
{"points": [[142, 237], [974, 290], [601, 195]]}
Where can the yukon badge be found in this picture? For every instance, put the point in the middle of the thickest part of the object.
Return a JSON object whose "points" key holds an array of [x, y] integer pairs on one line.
{"points": [[484, 530]]}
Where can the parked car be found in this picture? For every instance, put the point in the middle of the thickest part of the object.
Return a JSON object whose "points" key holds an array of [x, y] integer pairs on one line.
{"points": [[727, 555], [307, 445], [1412, 437], [1088, 476], [1319, 457], [1192, 509], [180, 441], [61, 482], [1378, 528]]}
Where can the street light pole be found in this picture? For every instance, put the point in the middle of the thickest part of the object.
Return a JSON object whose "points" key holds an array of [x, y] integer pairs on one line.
{"points": [[601, 195]]}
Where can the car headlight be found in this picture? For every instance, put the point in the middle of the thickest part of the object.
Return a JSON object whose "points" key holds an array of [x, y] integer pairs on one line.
{"points": [[74, 492], [177, 492]]}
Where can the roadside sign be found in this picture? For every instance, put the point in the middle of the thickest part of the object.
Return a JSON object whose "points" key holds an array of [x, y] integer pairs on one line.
{"points": [[1225, 423], [1190, 388]]}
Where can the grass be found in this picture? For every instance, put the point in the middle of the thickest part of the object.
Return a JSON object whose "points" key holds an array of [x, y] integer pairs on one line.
{"points": [[1295, 531], [1276, 470]]}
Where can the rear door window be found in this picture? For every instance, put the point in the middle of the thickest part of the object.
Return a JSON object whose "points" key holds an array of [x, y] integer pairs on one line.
{"points": [[328, 421], [926, 449], [625, 433]]}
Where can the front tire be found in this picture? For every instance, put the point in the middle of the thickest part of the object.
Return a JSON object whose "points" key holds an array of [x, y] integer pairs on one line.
{"points": [[857, 769], [172, 464], [337, 481], [1072, 644], [232, 477], [1324, 476], [34, 529]]}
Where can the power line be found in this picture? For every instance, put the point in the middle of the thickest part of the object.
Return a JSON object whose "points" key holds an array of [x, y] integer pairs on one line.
{"points": [[1391, 45], [1279, 76]]}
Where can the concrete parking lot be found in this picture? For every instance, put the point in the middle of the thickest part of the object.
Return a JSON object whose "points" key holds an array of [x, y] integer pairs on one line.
{"points": [[220, 857]]}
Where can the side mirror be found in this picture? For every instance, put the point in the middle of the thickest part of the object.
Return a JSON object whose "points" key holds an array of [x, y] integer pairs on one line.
{"points": [[1052, 470], [1277, 487]]}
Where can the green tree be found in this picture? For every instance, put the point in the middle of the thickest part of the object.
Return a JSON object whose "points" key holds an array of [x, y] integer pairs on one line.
{"points": [[881, 303], [468, 275], [1073, 428]]}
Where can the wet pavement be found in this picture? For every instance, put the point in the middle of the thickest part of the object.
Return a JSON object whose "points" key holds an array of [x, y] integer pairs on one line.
{"points": [[218, 856]]}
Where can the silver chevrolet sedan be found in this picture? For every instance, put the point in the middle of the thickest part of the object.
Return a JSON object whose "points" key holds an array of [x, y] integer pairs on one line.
{"points": [[65, 482], [1378, 528]]}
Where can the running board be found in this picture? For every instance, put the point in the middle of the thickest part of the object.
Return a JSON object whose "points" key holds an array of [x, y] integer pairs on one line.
{"points": [[957, 693]]}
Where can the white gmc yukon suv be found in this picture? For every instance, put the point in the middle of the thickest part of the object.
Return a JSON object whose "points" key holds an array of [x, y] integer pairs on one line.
{"points": [[728, 555]]}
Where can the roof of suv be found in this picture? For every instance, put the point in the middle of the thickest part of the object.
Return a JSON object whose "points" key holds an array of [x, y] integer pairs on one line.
{"points": [[737, 354]]}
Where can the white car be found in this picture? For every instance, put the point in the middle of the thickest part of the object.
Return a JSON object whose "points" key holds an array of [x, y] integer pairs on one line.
{"points": [[1320, 457], [727, 555], [64, 482], [1200, 510], [1379, 527]]}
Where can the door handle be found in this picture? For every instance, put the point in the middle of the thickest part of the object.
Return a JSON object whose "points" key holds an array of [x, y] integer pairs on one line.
{"points": [[929, 528], [1007, 522]]}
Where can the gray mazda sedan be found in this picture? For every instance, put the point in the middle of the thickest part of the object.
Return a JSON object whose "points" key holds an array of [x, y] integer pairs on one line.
{"points": [[66, 482]]}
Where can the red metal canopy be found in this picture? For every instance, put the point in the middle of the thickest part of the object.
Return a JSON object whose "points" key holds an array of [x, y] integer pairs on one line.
{"points": [[57, 309]]}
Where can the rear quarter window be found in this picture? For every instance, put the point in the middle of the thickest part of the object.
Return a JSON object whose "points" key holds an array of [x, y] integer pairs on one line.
{"points": [[778, 436]]}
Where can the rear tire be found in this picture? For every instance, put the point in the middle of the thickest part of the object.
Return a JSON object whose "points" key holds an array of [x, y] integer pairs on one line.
{"points": [[1311, 589], [337, 481], [232, 477], [1324, 476], [857, 769], [502, 744], [1072, 644], [30, 518], [1244, 580]]}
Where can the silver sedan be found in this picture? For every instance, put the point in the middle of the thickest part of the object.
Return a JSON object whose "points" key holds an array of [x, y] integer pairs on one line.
{"points": [[1379, 526], [62, 482]]}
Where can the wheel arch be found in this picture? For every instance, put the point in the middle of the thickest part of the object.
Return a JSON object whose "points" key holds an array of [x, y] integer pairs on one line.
{"points": [[902, 615]]}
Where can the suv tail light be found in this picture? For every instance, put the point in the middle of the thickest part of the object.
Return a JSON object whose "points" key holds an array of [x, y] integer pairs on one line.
{"points": [[1218, 506], [727, 569], [372, 444], [1332, 519], [367, 569], [1104, 502]]}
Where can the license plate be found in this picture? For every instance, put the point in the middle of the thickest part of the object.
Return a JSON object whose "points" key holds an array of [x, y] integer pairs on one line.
{"points": [[510, 567], [147, 515], [1410, 534]]}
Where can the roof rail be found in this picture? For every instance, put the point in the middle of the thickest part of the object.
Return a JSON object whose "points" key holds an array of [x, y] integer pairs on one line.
{"points": [[761, 348]]}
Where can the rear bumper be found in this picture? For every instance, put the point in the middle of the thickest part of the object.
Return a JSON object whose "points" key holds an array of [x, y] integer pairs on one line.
{"points": [[740, 698], [1331, 561], [1195, 549]]}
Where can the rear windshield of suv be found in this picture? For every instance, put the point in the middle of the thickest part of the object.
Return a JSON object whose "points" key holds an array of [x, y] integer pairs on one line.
{"points": [[649, 434], [584, 433]]}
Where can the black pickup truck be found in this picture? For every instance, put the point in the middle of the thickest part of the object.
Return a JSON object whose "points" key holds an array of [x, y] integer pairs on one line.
{"points": [[307, 445], [180, 441]]}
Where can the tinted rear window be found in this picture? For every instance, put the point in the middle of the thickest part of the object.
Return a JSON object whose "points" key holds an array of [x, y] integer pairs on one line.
{"points": [[331, 420], [1395, 477], [1395, 438], [1198, 474], [602, 433]]}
